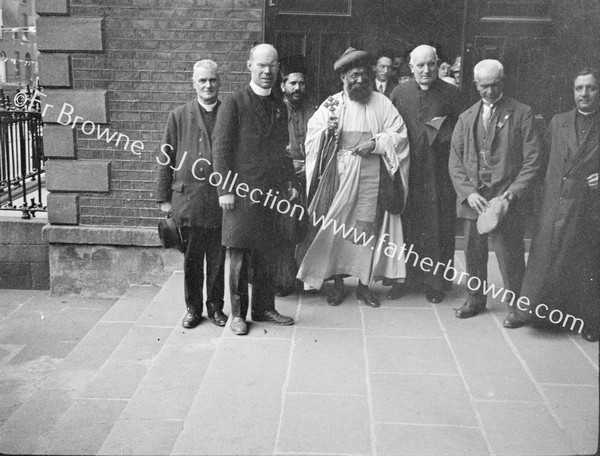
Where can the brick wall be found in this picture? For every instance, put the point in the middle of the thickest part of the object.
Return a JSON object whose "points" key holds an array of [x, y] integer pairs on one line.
{"points": [[122, 66], [149, 50]]}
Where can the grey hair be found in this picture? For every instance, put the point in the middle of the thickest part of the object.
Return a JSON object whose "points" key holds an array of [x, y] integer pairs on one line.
{"points": [[207, 64], [488, 64]]}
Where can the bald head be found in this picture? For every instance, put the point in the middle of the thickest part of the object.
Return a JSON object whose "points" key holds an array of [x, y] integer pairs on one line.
{"points": [[263, 65], [423, 64]]}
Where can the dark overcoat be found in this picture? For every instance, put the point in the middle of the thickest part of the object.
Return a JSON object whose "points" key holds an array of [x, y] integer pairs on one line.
{"points": [[250, 146], [566, 246], [185, 159], [514, 149]]}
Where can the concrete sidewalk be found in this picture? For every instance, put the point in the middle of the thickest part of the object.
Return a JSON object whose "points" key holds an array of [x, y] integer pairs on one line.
{"points": [[81, 376]]}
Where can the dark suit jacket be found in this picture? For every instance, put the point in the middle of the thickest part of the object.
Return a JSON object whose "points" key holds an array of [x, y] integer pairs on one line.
{"points": [[514, 145], [249, 144], [184, 167], [388, 88]]}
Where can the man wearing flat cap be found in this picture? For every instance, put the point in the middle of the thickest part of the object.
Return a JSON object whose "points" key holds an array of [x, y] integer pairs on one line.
{"points": [[355, 143]]}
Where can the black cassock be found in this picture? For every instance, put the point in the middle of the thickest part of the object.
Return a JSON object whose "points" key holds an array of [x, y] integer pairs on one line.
{"points": [[430, 217]]}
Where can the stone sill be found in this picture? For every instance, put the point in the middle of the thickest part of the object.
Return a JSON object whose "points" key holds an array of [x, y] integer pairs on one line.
{"points": [[97, 235]]}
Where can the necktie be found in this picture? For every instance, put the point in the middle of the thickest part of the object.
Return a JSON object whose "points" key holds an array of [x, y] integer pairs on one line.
{"points": [[380, 88], [487, 115]]}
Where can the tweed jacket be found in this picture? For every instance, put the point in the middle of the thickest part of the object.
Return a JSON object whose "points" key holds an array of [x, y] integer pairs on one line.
{"points": [[514, 146]]}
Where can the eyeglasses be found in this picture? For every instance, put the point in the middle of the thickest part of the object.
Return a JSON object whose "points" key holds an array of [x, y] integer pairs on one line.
{"points": [[264, 66]]}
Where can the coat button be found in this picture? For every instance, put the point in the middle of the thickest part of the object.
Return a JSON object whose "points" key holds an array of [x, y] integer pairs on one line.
{"points": [[564, 178]]}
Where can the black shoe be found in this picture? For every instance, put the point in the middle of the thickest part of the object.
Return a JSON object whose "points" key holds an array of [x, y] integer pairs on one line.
{"points": [[272, 316], [434, 296], [218, 318], [367, 296], [339, 293], [397, 291], [447, 286], [469, 309], [239, 326], [513, 320], [590, 334], [191, 320]]}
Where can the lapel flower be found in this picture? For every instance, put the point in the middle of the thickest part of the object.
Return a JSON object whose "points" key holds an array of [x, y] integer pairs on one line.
{"points": [[503, 121]]}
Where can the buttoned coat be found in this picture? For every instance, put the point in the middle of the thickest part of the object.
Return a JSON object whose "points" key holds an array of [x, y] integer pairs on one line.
{"points": [[185, 160], [250, 147], [566, 245], [514, 150]]}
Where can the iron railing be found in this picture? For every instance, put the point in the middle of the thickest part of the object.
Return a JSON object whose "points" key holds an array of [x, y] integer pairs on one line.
{"points": [[21, 154]]}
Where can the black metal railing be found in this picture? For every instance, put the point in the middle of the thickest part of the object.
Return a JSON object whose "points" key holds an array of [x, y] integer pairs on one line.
{"points": [[21, 153]]}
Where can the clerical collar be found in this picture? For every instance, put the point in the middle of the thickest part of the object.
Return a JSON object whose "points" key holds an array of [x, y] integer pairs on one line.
{"points": [[259, 90], [587, 113], [494, 103], [207, 107]]}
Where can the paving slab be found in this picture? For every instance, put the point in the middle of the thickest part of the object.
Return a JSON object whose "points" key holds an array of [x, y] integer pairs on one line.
{"points": [[399, 321], [427, 440], [142, 436], [421, 399], [522, 429], [542, 351], [489, 365], [238, 405], [27, 427], [576, 407], [92, 420], [325, 361], [324, 424], [130, 306], [403, 355]]}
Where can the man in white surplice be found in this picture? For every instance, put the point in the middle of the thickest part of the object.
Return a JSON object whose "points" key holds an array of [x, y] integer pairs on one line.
{"points": [[368, 145]]}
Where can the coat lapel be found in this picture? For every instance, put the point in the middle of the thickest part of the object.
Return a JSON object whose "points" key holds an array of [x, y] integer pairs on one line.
{"points": [[259, 111], [471, 118], [572, 138], [589, 142], [504, 113], [194, 107]]}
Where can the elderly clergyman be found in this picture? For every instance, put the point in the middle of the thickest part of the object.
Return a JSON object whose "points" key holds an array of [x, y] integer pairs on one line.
{"points": [[494, 154], [429, 106], [370, 147]]}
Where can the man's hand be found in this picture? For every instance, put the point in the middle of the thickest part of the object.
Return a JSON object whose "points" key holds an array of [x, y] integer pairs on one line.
{"points": [[477, 202], [293, 194], [299, 168], [166, 206], [332, 124], [508, 196], [365, 148], [593, 181], [227, 202]]}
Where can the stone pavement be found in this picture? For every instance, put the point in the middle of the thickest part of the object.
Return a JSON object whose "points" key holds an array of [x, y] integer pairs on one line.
{"points": [[83, 376]]}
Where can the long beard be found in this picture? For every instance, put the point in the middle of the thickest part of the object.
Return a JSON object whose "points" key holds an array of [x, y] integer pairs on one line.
{"points": [[360, 92]]}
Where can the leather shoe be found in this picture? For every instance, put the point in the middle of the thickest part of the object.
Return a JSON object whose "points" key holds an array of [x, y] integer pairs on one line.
{"points": [[272, 316], [397, 291], [591, 334], [239, 326], [367, 296], [339, 293], [191, 320], [469, 309], [514, 320], [218, 318], [434, 296]]}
